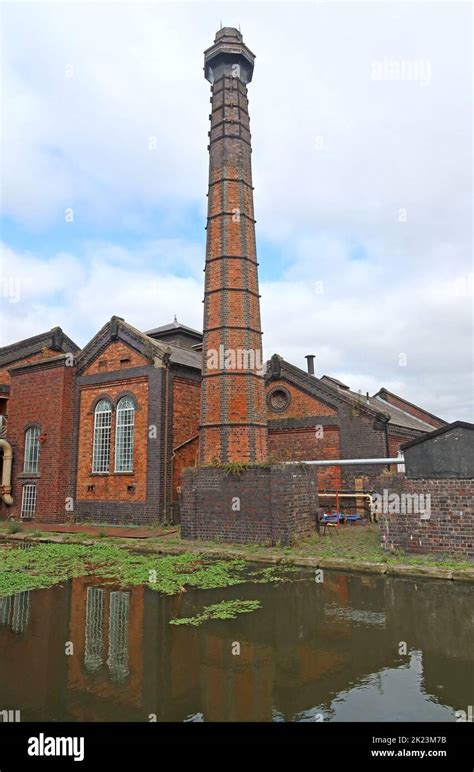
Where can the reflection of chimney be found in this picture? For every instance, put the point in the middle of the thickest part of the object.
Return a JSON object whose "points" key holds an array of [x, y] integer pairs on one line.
{"points": [[310, 360]]}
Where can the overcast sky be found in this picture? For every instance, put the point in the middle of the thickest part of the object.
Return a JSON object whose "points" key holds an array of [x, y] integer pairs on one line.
{"points": [[361, 119]]}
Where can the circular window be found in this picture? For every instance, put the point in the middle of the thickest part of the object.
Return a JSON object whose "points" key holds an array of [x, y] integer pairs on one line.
{"points": [[279, 399]]}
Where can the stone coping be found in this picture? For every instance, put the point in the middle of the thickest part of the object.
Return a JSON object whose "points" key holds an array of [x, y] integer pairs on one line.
{"points": [[334, 564]]}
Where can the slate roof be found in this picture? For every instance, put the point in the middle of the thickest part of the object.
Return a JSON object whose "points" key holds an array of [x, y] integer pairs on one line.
{"points": [[185, 356], [383, 391], [173, 327], [401, 417]]}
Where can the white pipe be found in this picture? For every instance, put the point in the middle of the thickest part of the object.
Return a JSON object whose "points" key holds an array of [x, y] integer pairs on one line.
{"points": [[347, 461], [7, 472]]}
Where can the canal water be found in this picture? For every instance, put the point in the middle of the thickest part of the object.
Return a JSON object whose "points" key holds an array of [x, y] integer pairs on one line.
{"points": [[350, 648]]}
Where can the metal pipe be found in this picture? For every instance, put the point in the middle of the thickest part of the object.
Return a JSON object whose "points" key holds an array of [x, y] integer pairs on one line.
{"points": [[310, 363], [347, 461], [7, 472]]}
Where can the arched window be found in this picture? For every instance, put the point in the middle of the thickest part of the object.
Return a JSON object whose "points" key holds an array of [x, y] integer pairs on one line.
{"points": [[124, 430], [32, 449], [102, 425]]}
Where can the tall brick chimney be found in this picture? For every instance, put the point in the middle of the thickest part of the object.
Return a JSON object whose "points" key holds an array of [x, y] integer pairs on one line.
{"points": [[233, 424]]}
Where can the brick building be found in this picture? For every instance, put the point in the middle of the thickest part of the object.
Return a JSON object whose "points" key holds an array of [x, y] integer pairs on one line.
{"points": [[103, 433]]}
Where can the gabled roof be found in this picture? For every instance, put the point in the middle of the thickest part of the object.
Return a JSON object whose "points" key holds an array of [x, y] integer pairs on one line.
{"points": [[334, 381], [55, 339], [383, 392], [396, 416], [438, 432], [316, 387], [118, 329], [401, 417], [330, 390]]}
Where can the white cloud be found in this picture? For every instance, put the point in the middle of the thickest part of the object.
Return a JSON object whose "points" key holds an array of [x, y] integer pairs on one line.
{"points": [[337, 155]]}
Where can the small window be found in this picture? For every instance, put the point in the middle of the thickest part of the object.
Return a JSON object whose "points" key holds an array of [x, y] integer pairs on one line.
{"points": [[28, 502], [32, 449], [102, 364], [102, 426], [125, 362], [124, 435]]}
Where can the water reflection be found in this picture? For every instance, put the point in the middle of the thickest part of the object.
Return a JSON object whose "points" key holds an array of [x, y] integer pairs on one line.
{"points": [[15, 611], [351, 648]]}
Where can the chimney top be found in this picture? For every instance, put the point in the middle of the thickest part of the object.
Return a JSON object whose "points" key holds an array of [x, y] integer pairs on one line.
{"points": [[228, 32], [310, 360], [228, 56]]}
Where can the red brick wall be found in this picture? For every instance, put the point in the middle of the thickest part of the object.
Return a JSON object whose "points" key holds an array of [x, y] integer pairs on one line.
{"points": [[305, 445], [113, 486], [110, 359], [47, 353], [301, 405], [394, 442], [186, 406], [43, 396], [184, 457]]}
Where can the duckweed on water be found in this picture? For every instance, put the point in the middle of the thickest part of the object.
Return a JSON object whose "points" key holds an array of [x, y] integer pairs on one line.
{"points": [[45, 565], [227, 609]]}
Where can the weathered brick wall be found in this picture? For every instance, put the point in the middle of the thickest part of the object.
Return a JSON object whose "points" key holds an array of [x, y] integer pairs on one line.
{"points": [[394, 442], [47, 353], [450, 527], [301, 405], [186, 405], [42, 394], [360, 437], [305, 444], [277, 504], [117, 356]]}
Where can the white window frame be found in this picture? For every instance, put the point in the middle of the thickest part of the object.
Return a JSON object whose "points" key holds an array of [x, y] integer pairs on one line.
{"points": [[124, 434], [29, 498], [32, 450], [101, 439]]}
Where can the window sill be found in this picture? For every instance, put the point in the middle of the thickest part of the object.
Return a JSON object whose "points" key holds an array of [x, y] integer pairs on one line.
{"points": [[122, 474]]}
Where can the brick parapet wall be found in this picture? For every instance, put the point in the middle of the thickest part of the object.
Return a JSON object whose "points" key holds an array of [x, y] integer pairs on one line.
{"points": [[450, 527], [278, 504]]}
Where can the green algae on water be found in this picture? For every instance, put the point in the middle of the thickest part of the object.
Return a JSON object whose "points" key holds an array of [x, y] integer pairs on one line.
{"points": [[45, 565], [227, 609]]}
